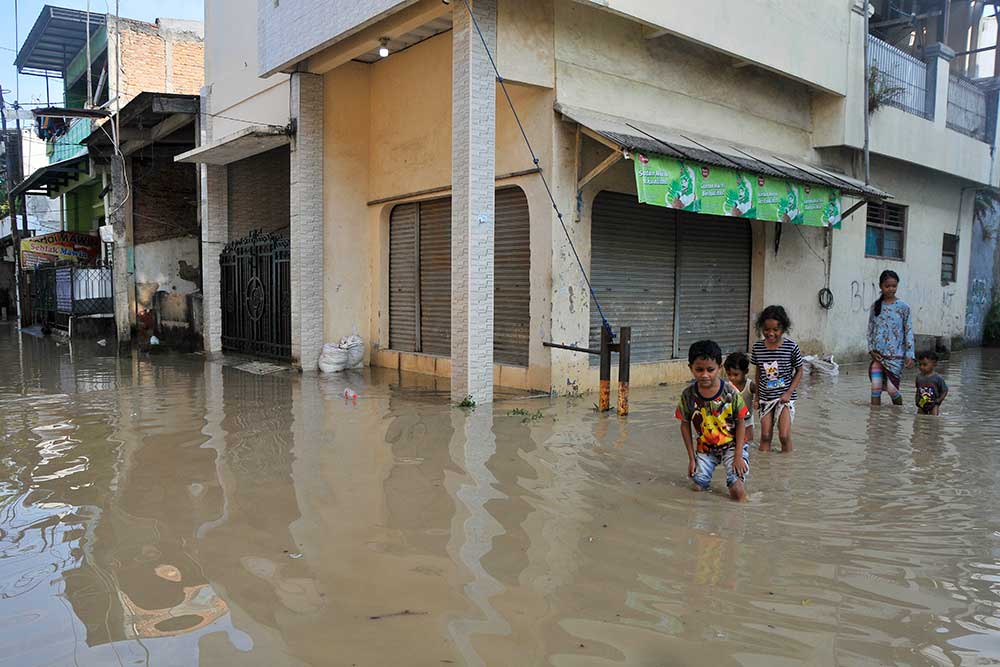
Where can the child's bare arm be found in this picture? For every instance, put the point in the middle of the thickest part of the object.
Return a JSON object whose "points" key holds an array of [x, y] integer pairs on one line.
{"points": [[796, 379], [738, 463], [689, 445]]}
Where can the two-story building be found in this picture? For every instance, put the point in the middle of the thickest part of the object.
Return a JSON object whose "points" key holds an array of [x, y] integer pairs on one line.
{"points": [[701, 165], [129, 101]]}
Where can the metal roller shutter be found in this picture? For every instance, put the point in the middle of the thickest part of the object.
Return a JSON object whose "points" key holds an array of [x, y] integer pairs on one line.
{"points": [[633, 253], [403, 241], [435, 277], [713, 291], [512, 275]]}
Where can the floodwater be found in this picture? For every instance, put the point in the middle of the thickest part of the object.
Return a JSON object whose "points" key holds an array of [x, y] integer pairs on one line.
{"points": [[165, 510]]}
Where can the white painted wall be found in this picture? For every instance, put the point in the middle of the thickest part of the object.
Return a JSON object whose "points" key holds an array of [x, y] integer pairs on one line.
{"points": [[159, 262]]}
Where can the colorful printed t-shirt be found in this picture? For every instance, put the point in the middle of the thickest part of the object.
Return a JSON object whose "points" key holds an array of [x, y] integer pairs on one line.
{"points": [[775, 368], [930, 390], [713, 419]]}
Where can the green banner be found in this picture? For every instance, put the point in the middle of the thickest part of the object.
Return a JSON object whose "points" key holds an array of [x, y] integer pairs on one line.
{"points": [[711, 190]]}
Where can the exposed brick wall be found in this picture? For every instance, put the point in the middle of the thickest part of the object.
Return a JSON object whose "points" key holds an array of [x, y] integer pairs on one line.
{"points": [[187, 66], [159, 61], [259, 193], [165, 202]]}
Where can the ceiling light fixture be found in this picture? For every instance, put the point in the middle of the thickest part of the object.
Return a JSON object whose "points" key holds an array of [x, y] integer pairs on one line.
{"points": [[383, 49]]}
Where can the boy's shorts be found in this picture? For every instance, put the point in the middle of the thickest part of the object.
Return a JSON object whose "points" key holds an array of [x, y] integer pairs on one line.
{"points": [[705, 463]]}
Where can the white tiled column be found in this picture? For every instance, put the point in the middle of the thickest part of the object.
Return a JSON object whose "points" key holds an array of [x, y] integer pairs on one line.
{"points": [[473, 151], [214, 201], [214, 236], [307, 219]]}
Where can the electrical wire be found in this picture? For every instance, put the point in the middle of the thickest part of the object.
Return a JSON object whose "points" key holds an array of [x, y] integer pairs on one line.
{"points": [[538, 166]]}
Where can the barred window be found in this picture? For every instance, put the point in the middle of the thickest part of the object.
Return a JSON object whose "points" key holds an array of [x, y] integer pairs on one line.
{"points": [[885, 236], [949, 258]]}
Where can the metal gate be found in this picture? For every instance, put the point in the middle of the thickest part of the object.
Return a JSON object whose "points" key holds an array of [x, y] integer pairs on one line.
{"points": [[256, 296]]}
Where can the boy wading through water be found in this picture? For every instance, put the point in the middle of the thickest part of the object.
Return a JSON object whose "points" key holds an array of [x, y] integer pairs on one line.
{"points": [[713, 411]]}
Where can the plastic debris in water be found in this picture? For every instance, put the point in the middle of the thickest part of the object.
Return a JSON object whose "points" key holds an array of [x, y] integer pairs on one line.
{"points": [[350, 395], [102, 342], [153, 340]]}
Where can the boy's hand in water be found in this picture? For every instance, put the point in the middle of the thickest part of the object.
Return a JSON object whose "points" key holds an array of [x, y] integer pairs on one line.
{"points": [[739, 463], [692, 467]]}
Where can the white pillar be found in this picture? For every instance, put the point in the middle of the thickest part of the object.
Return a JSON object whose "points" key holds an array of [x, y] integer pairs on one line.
{"points": [[473, 150], [306, 224], [214, 202]]}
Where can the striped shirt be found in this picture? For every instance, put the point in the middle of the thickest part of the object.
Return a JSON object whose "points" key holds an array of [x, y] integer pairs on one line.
{"points": [[775, 368]]}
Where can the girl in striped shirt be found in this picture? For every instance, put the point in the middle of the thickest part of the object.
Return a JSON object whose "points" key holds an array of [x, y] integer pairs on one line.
{"points": [[779, 371]]}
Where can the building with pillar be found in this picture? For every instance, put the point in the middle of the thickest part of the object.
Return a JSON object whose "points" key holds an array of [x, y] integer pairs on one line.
{"points": [[682, 176]]}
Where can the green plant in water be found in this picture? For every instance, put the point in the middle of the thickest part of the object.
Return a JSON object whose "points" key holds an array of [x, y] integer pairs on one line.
{"points": [[991, 332], [467, 402], [517, 412], [880, 91]]}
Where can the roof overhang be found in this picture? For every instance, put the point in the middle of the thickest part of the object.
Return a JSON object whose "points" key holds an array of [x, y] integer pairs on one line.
{"points": [[149, 118], [239, 145], [55, 39], [52, 176], [640, 137]]}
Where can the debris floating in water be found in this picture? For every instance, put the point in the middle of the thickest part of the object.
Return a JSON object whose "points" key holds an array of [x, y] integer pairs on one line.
{"points": [[350, 395]]}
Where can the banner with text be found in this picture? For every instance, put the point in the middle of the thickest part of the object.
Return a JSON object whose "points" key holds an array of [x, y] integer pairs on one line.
{"points": [[711, 190], [58, 247]]}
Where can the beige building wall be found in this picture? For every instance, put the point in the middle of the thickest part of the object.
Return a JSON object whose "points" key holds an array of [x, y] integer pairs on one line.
{"points": [[388, 142]]}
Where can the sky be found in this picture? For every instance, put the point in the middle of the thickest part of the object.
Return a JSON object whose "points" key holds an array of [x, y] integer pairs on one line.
{"points": [[32, 88]]}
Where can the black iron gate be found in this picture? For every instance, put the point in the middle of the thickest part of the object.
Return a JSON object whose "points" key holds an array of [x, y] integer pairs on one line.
{"points": [[256, 296]]}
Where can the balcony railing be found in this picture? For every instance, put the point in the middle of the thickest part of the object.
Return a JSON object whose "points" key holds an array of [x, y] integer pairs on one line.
{"points": [[967, 108], [70, 144], [901, 72]]}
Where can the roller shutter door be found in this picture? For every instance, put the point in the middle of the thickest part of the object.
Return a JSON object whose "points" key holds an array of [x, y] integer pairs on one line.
{"points": [[713, 291], [403, 278], [435, 277], [511, 280], [633, 254]]}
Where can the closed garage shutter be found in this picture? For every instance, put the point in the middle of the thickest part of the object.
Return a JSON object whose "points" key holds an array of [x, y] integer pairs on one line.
{"points": [[713, 272], [632, 270], [511, 280], [403, 278], [435, 277]]}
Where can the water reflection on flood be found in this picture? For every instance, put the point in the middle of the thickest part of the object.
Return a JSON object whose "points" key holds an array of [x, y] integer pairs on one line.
{"points": [[167, 511]]}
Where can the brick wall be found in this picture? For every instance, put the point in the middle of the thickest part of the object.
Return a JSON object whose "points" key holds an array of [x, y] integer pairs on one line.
{"points": [[165, 202], [259, 193], [159, 61]]}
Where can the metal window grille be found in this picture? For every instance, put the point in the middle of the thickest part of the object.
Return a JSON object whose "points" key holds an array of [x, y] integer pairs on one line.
{"points": [[898, 69], [949, 258], [967, 108], [885, 235]]}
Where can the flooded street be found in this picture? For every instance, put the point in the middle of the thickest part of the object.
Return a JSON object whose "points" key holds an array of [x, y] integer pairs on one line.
{"points": [[165, 510]]}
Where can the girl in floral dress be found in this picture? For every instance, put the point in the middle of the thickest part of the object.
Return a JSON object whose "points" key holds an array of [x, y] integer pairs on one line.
{"points": [[890, 340]]}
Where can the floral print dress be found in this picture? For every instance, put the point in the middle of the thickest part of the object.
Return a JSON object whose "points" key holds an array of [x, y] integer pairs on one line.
{"points": [[891, 335]]}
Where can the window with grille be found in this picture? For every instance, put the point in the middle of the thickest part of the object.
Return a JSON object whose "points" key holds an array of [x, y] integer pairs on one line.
{"points": [[949, 258], [885, 237]]}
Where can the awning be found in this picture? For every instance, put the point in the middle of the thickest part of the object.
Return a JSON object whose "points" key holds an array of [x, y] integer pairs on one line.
{"points": [[164, 119], [51, 176], [55, 39], [647, 138], [245, 143]]}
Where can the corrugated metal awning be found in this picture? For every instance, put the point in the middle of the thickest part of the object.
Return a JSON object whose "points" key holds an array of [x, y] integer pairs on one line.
{"points": [[51, 176], [640, 137], [239, 145]]}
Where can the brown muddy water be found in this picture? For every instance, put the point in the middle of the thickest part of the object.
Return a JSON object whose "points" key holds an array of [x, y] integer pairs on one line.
{"points": [[167, 511]]}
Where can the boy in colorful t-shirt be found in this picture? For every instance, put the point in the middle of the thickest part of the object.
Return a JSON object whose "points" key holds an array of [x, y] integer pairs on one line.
{"points": [[714, 412]]}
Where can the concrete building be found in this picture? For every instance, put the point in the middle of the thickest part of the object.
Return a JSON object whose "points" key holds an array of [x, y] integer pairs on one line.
{"points": [[138, 75], [377, 142]]}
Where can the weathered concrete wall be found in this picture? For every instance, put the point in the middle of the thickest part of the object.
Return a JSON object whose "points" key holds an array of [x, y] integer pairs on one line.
{"points": [[805, 40], [167, 272], [983, 267], [604, 63]]}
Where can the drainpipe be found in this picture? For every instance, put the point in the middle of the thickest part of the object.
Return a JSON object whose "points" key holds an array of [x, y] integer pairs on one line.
{"points": [[867, 88]]}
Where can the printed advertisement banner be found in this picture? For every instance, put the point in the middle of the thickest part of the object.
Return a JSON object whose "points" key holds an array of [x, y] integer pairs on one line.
{"points": [[700, 188], [58, 247]]}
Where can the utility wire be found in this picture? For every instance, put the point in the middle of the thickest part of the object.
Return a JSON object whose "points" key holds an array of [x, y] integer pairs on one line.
{"points": [[538, 166]]}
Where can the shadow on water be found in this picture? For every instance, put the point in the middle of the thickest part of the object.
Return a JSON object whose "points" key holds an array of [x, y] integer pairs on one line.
{"points": [[170, 511]]}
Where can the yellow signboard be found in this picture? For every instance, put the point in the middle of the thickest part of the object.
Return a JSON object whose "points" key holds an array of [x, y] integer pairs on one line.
{"points": [[59, 247]]}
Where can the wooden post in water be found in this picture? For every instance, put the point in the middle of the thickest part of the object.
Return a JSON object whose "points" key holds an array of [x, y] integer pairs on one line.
{"points": [[624, 354], [605, 389]]}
